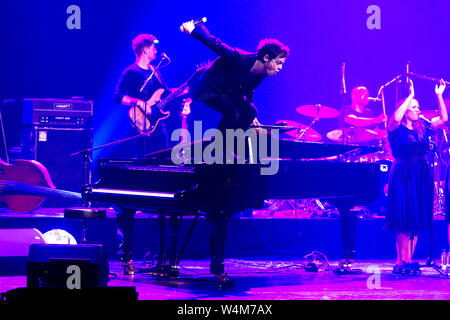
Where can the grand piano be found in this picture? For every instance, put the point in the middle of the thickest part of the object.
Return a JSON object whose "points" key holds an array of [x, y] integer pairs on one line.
{"points": [[218, 191]]}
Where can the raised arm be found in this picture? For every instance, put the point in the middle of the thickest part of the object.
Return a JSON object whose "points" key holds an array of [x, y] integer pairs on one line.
{"points": [[396, 118], [442, 119], [202, 34]]}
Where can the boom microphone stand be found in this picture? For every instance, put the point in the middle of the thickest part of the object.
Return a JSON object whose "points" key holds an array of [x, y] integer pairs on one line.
{"points": [[88, 161]]}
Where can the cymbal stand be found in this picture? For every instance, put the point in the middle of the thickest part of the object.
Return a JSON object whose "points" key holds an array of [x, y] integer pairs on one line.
{"points": [[302, 132]]}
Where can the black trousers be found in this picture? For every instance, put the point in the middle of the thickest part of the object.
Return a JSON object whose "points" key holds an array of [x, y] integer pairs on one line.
{"points": [[217, 238], [236, 111]]}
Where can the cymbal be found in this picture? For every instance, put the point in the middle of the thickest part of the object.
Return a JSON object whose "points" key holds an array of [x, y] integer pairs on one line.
{"points": [[354, 135], [317, 111], [298, 128], [280, 127]]}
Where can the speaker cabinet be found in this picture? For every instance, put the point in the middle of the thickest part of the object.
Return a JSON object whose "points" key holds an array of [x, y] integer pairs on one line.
{"points": [[53, 147], [67, 266]]}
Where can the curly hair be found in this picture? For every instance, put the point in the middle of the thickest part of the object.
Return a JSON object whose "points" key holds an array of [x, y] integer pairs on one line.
{"points": [[273, 48]]}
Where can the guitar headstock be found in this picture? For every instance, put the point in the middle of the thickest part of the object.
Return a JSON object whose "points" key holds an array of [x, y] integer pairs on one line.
{"points": [[186, 107]]}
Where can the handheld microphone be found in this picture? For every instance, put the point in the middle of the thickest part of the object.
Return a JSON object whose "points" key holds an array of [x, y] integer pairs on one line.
{"points": [[425, 119], [374, 99], [196, 22]]}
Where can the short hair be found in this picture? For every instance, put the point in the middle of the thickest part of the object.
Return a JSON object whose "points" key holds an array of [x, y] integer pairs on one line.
{"points": [[273, 48], [142, 41]]}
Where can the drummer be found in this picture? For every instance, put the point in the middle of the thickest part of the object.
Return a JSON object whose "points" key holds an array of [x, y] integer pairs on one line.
{"points": [[359, 115]]}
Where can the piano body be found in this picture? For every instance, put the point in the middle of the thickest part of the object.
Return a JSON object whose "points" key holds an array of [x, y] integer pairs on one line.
{"points": [[220, 190]]}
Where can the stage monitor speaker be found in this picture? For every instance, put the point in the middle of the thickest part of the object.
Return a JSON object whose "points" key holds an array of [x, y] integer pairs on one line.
{"points": [[53, 148], [67, 266], [14, 247], [102, 296]]}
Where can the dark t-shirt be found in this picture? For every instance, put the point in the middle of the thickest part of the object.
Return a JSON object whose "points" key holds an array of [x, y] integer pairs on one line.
{"points": [[348, 110], [130, 83]]}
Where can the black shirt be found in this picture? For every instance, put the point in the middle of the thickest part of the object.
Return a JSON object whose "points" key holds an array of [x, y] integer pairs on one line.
{"points": [[131, 81], [229, 74]]}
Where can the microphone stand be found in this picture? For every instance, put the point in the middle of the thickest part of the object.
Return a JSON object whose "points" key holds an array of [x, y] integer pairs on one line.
{"points": [[88, 161], [4, 136], [420, 76], [143, 87], [430, 263]]}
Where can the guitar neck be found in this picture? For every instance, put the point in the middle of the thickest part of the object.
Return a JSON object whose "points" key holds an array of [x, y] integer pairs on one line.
{"points": [[172, 96]]}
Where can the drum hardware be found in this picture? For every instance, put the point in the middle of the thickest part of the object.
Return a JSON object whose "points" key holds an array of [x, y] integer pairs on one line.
{"points": [[300, 131], [353, 135], [312, 207]]}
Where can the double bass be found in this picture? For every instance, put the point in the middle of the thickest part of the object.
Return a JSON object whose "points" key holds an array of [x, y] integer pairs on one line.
{"points": [[25, 184]]}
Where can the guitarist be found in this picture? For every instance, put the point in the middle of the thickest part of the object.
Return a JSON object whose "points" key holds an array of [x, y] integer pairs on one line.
{"points": [[128, 92]]}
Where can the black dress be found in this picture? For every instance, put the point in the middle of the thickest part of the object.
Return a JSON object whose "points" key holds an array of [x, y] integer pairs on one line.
{"points": [[410, 194]]}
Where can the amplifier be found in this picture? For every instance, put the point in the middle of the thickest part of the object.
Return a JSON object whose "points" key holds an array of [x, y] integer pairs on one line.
{"points": [[57, 112]]}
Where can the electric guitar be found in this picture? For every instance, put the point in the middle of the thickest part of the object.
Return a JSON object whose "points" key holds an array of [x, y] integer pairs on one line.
{"points": [[146, 120]]}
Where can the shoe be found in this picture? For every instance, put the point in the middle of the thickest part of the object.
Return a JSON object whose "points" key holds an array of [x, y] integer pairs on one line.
{"points": [[344, 267], [412, 269], [128, 268], [225, 283]]}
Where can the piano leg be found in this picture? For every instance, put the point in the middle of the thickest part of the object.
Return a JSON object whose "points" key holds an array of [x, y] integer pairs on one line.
{"points": [[175, 222], [162, 239], [348, 231], [125, 224]]}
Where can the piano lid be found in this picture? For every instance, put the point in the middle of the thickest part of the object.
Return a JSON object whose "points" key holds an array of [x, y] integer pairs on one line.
{"points": [[315, 150], [288, 149]]}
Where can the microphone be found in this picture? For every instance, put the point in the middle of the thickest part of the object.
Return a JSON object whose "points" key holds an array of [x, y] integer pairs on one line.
{"points": [[374, 99], [196, 22], [165, 56], [425, 119]]}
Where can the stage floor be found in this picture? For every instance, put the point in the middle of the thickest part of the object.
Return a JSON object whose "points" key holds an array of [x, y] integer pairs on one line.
{"points": [[278, 278]]}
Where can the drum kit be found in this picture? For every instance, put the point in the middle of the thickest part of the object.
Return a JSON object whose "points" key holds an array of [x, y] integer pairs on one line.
{"points": [[351, 135]]}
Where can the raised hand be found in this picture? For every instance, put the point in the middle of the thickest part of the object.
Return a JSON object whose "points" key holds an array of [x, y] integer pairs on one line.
{"points": [[188, 26], [411, 88], [441, 88]]}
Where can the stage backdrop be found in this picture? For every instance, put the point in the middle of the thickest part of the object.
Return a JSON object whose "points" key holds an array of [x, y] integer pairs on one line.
{"points": [[63, 49]]}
